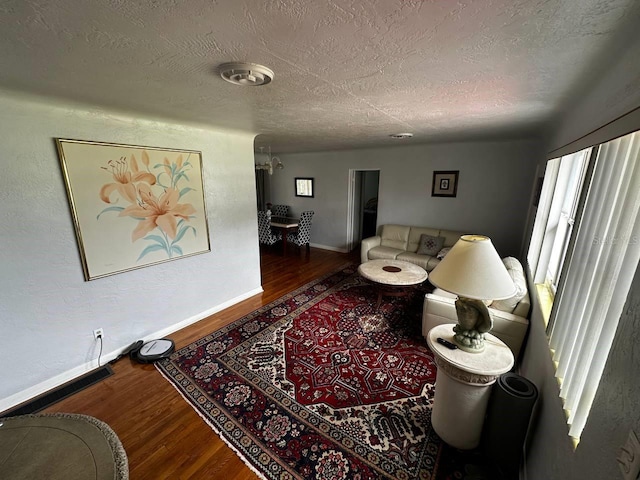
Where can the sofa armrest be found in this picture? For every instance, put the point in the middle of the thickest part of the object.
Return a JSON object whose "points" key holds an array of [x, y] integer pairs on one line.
{"points": [[509, 328], [366, 245], [437, 310]]}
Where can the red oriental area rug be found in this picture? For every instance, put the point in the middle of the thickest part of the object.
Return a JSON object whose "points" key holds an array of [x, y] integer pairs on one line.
{"points": [[316, 385]]}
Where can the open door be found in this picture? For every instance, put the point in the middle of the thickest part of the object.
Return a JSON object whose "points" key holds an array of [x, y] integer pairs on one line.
{"points": [[362, 217]]}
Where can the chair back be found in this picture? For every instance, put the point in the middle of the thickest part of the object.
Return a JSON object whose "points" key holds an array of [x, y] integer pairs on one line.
{"points": [[304, 228], [280, 210], [265, 235]]}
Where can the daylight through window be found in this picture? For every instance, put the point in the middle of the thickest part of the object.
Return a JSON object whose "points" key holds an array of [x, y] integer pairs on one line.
{"points": [[585, 249]]}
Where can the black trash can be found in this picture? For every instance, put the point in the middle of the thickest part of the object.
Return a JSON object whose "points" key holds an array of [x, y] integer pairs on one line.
{"points": [[505, 429]]}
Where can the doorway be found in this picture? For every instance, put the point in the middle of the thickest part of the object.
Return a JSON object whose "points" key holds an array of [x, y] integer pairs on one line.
{"points": [[363, 206]]}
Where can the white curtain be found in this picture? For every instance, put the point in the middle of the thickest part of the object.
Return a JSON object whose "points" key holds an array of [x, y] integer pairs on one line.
{"points": [[598, 277]]}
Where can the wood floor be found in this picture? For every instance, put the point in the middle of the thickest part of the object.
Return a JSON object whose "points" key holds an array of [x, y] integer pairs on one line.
{"points": [[163, 436]]}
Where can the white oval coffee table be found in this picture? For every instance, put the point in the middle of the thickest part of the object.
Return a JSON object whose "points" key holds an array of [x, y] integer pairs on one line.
{"points": [[390, 276]]}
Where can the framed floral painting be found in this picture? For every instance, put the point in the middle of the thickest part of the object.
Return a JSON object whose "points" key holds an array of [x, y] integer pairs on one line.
{"points": [[133, 206]]}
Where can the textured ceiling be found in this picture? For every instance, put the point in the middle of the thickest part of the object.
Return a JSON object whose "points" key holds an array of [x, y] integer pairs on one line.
{"points": [[348, 73]]}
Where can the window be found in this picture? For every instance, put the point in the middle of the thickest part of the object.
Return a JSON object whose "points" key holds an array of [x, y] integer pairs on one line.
{"points": [[571, 177], [585, 245], [556, 216]]}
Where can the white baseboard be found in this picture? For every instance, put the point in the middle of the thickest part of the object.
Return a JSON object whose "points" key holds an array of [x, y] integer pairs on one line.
{"points": [[61, 379], [326, 247]]}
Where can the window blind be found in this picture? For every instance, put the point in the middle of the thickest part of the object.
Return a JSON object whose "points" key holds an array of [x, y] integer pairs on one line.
{"points": [[603, 261]]}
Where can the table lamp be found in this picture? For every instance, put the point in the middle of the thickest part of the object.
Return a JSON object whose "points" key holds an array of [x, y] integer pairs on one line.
{"points": [[474, 272]]}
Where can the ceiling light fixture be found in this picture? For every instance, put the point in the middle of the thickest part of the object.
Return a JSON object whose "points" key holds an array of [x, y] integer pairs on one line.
{"points": [[270, 163], [401, 135], [246, 74]]}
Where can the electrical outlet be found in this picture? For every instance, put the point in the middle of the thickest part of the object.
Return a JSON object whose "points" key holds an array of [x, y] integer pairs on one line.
{"points": [[98, 333], [629, 458]]}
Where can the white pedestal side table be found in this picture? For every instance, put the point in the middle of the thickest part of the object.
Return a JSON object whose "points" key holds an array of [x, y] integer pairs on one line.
{"points": [[463, 386]]}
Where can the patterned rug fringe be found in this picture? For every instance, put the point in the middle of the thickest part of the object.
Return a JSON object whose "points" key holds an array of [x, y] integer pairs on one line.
{"points": [[215, 429]]}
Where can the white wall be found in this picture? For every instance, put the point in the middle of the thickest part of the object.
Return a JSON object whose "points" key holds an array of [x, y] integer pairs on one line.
{"points": [[550, 454], [495, 184], [47, 310]]}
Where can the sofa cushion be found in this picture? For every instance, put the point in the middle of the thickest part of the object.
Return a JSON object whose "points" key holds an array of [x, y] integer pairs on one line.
{"points": [[425, 261], [395, 240], [516, 272], [416, 233], [384, 253], [443, 293], [420, 260], [395, 236], [430, 245]]}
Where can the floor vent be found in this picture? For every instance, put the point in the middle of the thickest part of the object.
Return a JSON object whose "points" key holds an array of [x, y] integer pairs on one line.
{"points": [[47, 399]]}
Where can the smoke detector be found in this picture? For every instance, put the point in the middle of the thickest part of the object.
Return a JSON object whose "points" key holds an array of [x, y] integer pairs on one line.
{"points": [[246, 74]]}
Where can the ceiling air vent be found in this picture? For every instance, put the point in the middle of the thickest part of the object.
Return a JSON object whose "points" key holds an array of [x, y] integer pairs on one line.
{"points": [[246, 74], [401, 135]]}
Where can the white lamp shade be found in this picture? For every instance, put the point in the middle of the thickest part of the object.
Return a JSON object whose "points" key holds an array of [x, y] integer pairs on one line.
{"points": [[473, 269]]}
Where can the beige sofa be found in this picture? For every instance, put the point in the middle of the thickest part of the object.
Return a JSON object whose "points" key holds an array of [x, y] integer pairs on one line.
{"points": [[401, 242], [510, 321]]}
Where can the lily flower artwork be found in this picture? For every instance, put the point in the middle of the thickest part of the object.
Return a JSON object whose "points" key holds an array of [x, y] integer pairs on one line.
{"points": [[148, 204]]}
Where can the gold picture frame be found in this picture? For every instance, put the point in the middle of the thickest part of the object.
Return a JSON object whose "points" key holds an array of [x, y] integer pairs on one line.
{"points": [[133, 206]]}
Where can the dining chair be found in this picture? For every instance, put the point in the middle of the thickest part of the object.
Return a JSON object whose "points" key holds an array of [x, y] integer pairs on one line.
{"points": [[280, 210], [265, 235], [303, 235]]}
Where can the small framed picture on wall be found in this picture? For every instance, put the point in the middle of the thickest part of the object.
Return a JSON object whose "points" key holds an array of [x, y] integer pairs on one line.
{"points": [[445, 183], [304, 187]]}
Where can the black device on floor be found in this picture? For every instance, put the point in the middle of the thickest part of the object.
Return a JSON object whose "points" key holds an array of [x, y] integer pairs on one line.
{"points": [[153, 350], [148, 352]]}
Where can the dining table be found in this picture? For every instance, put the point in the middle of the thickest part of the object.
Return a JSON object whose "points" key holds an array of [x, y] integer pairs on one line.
{"points": [[286, 225]]}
